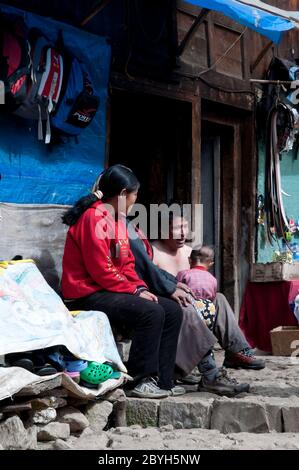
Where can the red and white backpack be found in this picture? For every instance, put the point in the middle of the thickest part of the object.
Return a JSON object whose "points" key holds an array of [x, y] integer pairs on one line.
{"points": [[44, 91]]}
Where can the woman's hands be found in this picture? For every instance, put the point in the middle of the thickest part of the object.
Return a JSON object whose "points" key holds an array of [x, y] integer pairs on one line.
{"points": [[182, 295], [145, 294]]}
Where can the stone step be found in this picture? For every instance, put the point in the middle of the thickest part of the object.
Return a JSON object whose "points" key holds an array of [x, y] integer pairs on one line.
{"points": [[252, 414], [271, 405], [166, 438]]}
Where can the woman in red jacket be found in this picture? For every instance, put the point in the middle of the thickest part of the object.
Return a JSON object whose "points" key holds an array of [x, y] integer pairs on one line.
{"points": [[99, 274]]}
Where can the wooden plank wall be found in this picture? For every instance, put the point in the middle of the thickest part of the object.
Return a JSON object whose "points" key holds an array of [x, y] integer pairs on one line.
{"points": [[218, 32]]}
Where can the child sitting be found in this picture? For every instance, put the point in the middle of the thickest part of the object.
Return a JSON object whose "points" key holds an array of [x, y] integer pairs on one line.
{"points": [[202, 283]]}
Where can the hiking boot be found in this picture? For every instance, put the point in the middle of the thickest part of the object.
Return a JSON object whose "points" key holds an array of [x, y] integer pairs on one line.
{"points": [[222, 385], [147, 388], [176, 391], [244, 359]]}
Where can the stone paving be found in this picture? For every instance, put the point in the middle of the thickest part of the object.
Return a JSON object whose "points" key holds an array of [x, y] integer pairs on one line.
{"points": [[265, 418]]}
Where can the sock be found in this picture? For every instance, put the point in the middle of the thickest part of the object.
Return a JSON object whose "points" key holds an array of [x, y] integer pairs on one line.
{"points": [[207, 367]]}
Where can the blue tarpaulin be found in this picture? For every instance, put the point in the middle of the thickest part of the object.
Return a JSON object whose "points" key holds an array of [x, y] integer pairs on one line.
{"points": [[265, 23], [32, 172]]}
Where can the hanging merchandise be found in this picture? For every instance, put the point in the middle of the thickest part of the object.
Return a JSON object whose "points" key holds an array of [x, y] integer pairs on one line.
{"points": [[43, 94], [280, 104], [15, 60], [79, 102], [261, 210], [275, 214], [292, 225], [288, 236]]}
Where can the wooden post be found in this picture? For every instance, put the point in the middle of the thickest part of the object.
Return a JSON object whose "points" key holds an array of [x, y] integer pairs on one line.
{"points": [[197, 22], [196, 153]]}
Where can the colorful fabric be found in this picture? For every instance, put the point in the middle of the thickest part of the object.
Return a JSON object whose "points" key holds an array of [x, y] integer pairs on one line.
{"points": [[207, 311]]}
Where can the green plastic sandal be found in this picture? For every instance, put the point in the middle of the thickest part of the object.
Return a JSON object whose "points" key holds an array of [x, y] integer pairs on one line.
{"points": [[96, 373]]}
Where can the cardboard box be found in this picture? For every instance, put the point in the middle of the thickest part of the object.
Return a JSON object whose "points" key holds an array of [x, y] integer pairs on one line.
{"points": [[285, 341], [269, 272]]}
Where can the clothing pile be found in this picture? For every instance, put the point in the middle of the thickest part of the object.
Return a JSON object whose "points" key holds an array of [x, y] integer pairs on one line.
{"points": [[38, 333]]}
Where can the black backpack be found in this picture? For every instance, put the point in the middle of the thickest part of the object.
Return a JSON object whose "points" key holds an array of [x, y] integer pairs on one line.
{"points": [[15, 61]]}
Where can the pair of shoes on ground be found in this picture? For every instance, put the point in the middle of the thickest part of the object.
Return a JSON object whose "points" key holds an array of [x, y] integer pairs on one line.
{"points": [[221, 385], [148, 388], [244, 359], [33, 362]]}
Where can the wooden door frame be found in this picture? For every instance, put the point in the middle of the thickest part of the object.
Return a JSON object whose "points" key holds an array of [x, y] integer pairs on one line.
{"points": [[239, 174], [175, 92]]}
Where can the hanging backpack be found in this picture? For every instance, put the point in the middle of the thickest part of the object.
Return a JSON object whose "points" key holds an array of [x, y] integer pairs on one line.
{"points": [[79, 103], [43, 94], [15, 61]]}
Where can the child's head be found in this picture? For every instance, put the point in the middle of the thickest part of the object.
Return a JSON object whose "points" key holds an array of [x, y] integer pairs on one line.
{"points": [[203, 256]]}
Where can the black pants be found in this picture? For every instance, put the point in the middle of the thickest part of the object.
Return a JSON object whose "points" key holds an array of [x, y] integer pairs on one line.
{"points": [[155, 326]]}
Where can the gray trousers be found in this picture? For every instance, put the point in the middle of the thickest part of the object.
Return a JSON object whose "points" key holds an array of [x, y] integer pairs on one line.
{"points": [[196, 340]]}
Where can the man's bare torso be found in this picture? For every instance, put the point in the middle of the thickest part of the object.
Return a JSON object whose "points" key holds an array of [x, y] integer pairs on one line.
{"points": [[173, 262]]}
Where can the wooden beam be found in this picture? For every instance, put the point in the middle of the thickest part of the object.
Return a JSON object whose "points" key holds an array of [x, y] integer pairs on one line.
{"points": [[196, 153], [95, 11], [199, 20], [260, 56]]}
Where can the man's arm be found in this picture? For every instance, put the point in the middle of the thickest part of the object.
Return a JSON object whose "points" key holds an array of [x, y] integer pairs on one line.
{"points": [[159, 281]]}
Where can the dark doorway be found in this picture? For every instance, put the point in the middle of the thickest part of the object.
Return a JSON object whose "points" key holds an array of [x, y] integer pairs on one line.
{"points": [[211, 195], [217, 182], [153, 136]]}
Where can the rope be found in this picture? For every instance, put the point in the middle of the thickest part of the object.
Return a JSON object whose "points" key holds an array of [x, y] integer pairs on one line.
{"points": [[225, 53]]}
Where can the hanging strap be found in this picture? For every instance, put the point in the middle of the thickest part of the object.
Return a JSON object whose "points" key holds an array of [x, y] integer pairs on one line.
{"points": [[48, 129], [40, 124]]}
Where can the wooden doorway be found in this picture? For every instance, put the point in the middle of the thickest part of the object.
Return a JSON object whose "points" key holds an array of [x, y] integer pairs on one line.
{"points": [[152, 135], [232, 131], [211, 196]]}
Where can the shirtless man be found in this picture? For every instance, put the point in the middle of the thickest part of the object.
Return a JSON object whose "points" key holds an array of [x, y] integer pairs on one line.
{"points": [[171, 254]]}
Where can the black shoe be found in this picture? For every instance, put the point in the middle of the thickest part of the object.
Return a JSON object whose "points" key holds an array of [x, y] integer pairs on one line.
{"points": [[223, 385]]}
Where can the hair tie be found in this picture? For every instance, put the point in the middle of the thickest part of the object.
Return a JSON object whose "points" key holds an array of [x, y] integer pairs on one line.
{"points": [[98, 194]]}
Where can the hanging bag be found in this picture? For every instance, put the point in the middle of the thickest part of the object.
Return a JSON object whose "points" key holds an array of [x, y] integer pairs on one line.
{"points": [[15, 61], [79, 102], [44, 92]]}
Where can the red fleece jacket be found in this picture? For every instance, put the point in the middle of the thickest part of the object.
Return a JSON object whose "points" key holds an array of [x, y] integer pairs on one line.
{"points": [[97, 256]]}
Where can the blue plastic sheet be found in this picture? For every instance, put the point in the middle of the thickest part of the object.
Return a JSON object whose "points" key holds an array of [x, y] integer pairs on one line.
{"points": [[264, 23], [32, 172]]}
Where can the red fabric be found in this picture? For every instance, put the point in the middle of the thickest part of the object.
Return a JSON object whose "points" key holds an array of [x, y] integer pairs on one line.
{"points": [[266, 306], [97, 256], [201, 268], [11, 50], [50, 85]]}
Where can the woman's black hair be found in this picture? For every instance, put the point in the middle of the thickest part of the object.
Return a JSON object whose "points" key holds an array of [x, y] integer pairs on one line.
{"points": [[111, 182]]}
